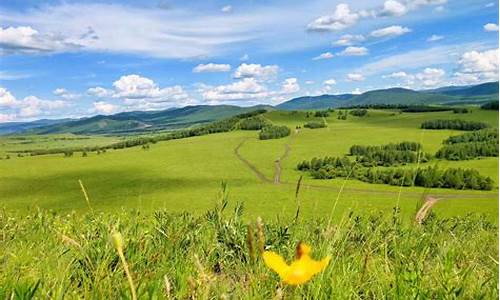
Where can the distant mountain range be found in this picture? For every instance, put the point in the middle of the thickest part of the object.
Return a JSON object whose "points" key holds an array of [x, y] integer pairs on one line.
{"points": [[175, 118], [445, 95]]}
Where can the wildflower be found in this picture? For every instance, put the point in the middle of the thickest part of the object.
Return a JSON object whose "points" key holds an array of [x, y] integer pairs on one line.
{"points": [[299, 271]]}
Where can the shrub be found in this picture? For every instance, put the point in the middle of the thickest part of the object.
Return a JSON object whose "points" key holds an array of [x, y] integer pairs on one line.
{"points": [[493, 105], [358, 112], [274, 132], [314, 125]]}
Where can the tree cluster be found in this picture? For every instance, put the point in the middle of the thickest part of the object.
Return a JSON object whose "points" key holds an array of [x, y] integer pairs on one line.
{"points": [[455, 124], [322, 113], [274, 132], [484, 135], [493, 105], [314, 125], [253, 123], [358, 112], [464, 151]]}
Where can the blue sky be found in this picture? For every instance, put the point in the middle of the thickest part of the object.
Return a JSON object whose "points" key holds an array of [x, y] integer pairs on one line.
{"points": [[80, 58]]}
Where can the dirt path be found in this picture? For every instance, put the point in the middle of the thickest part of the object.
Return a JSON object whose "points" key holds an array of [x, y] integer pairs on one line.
{"points": [[277, 176], [277, 165], [254, 169], [424, 210]]}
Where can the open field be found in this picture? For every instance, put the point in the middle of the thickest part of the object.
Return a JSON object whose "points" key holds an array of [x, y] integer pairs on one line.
{"points": [[184, 175]]}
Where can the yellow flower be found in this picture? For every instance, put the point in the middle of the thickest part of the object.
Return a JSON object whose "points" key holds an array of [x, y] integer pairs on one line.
{"points": [[299, 271]]}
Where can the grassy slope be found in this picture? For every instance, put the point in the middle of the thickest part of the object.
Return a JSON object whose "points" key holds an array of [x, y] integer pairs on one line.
{"points": [[186, 174]]}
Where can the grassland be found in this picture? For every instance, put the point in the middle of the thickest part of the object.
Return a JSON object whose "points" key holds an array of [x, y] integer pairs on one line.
{"points": [[183, 175], [54, 244]]}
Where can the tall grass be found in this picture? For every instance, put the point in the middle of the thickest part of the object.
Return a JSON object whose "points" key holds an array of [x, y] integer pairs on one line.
{"points": [[216, 256]]}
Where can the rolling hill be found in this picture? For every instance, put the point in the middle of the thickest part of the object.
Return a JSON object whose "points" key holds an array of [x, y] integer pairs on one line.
{"points": [[315, 102], [142, 121]]}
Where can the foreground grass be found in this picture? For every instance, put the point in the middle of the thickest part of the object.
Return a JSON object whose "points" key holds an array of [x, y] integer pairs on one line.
{"points": [[184, 256]]}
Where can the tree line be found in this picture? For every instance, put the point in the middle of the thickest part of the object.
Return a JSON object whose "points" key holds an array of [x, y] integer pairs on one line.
{"points": [[493, 105], [455, 124], [358, 112], [431, 177], [389, 155], [470, 145]]}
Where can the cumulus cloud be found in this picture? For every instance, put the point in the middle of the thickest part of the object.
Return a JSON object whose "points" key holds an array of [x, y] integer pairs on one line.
{"points": [[349, 40], [342, 18], [211, 68], [99, 92], [483, 66], [394, 8], [256, 71], [431, 77], [245, 89], [355, 77], [141, 93], [390, 31], [290, 86], [28, 107], [354, 51], [65, 94], [25, 39], [491, 27], [330, 81], [326, 55], [434, 38], [105, 108], [7, 117]]}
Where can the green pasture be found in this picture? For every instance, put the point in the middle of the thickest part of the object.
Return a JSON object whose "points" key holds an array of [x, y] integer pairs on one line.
{"points": [[185, 175]]}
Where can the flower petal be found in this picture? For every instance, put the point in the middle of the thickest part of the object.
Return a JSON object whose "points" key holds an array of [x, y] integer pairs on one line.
{"points": [[276, 263]]}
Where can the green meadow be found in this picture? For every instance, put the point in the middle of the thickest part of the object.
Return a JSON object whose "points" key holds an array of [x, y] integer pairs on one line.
{"points": [[185, 175], [196, 214]]}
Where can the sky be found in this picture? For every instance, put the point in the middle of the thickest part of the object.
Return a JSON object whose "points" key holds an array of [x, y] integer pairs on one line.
{"points": [[61, 59]]}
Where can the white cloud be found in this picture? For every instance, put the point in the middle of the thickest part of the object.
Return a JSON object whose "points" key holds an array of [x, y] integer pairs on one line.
{"points": [[245, 89], [211, 67], [141, 93], [25, 39], [398, 75], [226, 9], [330, 81], [245, 57], [7, 117], [309, 81], [99, 92], [326, 55], [394, 8], [256, 71], [63, 93], [431, 77], [341, 18], [354, 51], [390, 31], [7, 99], [102, 107], [5, 75], [491, 27], [171, 33], [349, 40], [435, 37], [490, 4], [356, 91], [355, 77], [482, 65], [290, 86]]}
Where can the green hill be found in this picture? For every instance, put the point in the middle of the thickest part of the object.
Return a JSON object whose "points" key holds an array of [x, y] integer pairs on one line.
{"points": [[139, 121], [315, 102]]}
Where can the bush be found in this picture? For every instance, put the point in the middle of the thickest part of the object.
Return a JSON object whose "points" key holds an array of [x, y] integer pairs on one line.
{"points": [[358, 112], [322, 113], [461, 110], [464, 151], [456, 124], [314, 125], [274, 132]]}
